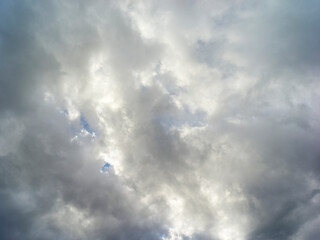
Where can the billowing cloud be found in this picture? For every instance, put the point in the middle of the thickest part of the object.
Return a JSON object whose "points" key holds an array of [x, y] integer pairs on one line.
{"points": [[159, 120]]}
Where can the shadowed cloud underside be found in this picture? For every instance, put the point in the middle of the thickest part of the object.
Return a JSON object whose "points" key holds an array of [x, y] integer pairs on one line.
{"points": [[159, 120]]}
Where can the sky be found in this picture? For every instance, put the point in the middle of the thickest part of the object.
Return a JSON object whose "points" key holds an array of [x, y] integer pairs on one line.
{"points": [[159, 120]]}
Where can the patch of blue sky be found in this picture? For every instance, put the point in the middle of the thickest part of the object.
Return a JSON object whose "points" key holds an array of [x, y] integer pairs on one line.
{"points": [[65, 112], [86, 125], [105, 167], [195, 119], [81, 127]]}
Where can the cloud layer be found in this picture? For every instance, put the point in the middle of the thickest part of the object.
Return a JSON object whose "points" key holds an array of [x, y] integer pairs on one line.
{"points": [[169, 120]]}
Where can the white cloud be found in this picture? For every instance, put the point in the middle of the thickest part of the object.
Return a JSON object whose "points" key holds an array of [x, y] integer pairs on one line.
{"points": [[206, 112]]}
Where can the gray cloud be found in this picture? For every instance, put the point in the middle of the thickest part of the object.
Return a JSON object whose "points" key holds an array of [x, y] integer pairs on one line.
{"points": [[205, 113]]}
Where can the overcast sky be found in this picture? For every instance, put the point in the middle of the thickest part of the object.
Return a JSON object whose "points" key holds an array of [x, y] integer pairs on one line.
{"points": [[159, 120]]}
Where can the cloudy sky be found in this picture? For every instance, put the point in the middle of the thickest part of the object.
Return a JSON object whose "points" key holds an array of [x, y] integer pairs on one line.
{"points": [[159, 120]]}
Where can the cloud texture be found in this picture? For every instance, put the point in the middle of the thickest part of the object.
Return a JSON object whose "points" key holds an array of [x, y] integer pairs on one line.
{"points": [[169, 120]]}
